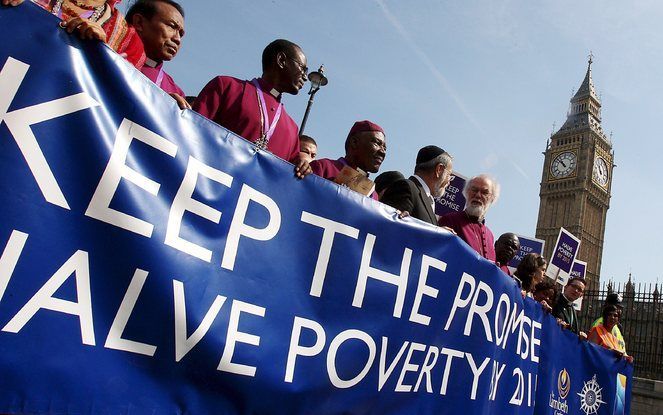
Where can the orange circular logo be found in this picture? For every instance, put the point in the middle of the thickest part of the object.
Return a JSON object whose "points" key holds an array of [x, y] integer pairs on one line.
{"points": [[563, 384]]}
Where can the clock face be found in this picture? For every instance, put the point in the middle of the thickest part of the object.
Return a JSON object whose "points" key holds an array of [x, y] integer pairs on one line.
{"points": [[564, 164], [601, 171]]}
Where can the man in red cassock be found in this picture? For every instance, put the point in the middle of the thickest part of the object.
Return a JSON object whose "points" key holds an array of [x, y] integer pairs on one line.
{"points": [[365, 150], [470, 224], [160, 25], [253, 109]]}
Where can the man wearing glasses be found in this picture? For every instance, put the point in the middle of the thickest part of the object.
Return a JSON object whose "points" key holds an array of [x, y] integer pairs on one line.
{"points": [[253, 110], [563, 309], [470, 225]]}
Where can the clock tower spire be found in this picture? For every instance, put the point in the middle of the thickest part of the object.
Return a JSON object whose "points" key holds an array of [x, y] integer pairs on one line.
{"points": [[577, 178]]}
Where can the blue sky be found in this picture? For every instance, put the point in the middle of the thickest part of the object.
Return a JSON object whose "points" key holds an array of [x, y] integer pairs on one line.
{"points": [[485, 80]]}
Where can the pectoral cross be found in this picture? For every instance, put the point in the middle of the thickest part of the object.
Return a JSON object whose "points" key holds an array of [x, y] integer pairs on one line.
{"points": [[261, 142]]}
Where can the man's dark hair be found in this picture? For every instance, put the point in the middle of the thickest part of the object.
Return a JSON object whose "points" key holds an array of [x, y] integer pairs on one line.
{"points": [[572, 279], [148, 8], [307, 139], [386, 179], [274, 48]]}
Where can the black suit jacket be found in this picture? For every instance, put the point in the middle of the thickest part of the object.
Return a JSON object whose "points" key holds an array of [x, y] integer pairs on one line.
{"points": [[408, 194], [564, 309]]}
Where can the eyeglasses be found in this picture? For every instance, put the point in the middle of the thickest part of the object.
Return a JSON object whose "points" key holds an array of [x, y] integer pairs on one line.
{"points": [[484, 192], [302, 68], [577, 288]]}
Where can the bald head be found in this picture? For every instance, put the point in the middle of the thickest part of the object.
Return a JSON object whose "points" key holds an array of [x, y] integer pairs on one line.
{"points": [[284, 66], [506, 247]]}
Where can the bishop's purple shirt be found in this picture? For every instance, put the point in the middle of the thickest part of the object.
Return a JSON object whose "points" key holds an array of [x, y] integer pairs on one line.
{"points": [[151, 69], [233, 103], [475, 234]]}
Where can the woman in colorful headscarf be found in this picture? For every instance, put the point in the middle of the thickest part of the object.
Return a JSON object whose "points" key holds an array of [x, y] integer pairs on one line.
{"points": [[95, 19]]}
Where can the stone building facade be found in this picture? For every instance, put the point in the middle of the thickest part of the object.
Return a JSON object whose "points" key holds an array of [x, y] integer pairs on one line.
{"points": [[577, 179]]}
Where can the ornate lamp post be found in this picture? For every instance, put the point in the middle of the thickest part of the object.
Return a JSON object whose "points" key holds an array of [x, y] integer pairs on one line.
{"points": [[318, 80]]}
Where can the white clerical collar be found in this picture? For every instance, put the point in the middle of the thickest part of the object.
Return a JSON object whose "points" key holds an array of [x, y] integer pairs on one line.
{"points": [[424, 185], [273, 92], [151, 63]]}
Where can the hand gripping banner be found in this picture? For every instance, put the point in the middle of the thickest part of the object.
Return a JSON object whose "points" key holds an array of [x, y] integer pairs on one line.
{"points": [[153, 262]]}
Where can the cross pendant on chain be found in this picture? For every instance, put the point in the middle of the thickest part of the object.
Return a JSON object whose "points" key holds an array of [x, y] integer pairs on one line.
{"points": [[261, 142]]}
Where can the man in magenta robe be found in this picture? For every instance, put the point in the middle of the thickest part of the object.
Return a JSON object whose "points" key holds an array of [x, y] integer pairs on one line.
{"points": [[253, 110], [470, 224], [160, 25], [365, 150]]}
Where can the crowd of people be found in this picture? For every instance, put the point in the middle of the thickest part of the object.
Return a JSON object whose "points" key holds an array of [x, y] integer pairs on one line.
{"points": [[151, 34]]}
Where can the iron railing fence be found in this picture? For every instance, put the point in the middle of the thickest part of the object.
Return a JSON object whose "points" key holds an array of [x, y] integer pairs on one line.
{"points": [[641, 323]]}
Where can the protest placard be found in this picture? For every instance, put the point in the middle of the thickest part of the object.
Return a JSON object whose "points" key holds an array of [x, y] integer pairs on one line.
{"points": [[453, 199], [528, 245], [563, 255]]}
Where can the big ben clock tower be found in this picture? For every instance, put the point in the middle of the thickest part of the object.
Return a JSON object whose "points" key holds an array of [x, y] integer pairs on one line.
{"points": [[576, 180]]}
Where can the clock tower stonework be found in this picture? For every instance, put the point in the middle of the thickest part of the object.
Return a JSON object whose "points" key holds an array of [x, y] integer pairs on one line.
{"points": [[576, 180]]}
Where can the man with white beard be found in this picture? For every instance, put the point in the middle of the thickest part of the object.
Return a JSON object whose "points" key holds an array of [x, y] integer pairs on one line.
{"points": [[470, 225]]}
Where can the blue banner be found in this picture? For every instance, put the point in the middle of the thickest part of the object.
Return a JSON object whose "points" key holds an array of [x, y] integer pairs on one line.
{"points": [[153, 262]]}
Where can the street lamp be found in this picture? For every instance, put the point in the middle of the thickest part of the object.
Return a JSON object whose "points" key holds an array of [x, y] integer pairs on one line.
{"points": [[318, 80]]}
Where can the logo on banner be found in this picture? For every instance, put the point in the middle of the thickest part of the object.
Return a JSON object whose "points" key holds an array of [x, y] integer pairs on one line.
{"points": [[620, 395], [563, 384], [563, 387], [591, 396]]}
